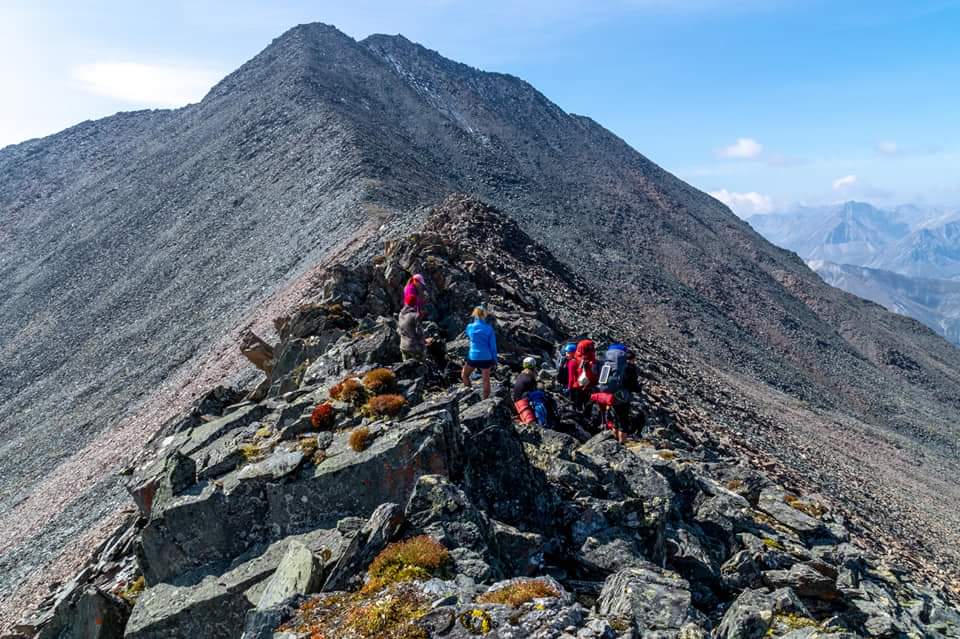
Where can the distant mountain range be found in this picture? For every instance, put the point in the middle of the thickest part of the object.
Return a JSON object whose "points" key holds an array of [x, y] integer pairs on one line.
{"points": [[906, 258], [936, 303]]}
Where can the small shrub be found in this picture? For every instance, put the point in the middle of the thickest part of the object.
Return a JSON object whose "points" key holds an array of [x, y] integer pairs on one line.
{"points": [[385, 405], [298, 373], [360, 438], [323, 416], [415, 558], [251, 452], [132, 591], [380, 381], [734, 485], [770, 542], [809, 508], [390, 614], [263, 433], [476, 621], [390, 618], [350, 391], [519, 593], [308, 445], [788, 622]]}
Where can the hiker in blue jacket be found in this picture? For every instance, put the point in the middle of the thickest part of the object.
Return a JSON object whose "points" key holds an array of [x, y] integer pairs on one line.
{"points": [[483, 349]]}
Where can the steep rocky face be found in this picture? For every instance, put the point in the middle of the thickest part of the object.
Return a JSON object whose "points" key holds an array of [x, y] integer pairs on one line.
{"points": [[448, 519], [132, 243]]}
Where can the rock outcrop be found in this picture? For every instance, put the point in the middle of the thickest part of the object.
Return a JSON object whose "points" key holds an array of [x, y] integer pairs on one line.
{"points": [[319, 511]]}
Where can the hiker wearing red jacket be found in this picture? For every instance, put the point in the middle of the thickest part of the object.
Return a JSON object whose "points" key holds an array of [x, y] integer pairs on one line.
{"points": [[582, 374]]}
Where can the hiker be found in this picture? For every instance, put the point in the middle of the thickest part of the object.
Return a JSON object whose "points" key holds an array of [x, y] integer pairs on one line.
{"points": [[483, 349], [526, 381], [415, 293], [533, 404], [436, 348], [563, 362], [618, 380], [582, 375], [412, 342]]}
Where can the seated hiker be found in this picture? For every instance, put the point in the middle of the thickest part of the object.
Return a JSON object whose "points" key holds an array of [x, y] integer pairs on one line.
{"points": [[563, 361], [526, 381], [483, 349], [415, 293], [582, 375], [532, 403], [412, 343]]}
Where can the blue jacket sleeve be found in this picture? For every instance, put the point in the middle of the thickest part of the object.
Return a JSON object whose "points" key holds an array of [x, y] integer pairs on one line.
{"points": [[493, 344]]}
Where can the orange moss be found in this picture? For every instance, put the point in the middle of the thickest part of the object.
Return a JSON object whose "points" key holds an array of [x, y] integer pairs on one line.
{"points": [[415, 558], [380, 381], [350, 390], [809, 508], [519, 593], [323, 416], [385, 405], [388, 614], [360, 438]]}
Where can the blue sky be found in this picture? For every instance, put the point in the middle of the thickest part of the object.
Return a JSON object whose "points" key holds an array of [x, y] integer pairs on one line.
{"points": [[765, 104]]}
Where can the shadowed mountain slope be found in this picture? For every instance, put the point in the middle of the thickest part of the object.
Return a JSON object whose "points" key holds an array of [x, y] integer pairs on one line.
{"points": [[131, 243]]}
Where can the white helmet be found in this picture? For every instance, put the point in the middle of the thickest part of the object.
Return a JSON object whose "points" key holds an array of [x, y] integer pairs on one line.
{"points": [[529, 362]]}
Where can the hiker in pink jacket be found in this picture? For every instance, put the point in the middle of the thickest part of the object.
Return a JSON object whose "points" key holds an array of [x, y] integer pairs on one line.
{"points": [[415, 293]]}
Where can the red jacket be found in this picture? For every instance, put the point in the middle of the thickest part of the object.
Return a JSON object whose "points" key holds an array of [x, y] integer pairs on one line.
{"points": [[585, 360]]}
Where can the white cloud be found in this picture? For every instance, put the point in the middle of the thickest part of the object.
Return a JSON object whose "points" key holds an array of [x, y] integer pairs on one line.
{"points": [[845, 182], [744, 204], [888, 147], [742, 149], [145, 84]]}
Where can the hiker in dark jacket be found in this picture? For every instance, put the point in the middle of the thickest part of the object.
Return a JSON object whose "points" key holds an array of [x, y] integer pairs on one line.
{"points": [[412, 343], [526, 381], [631, 384]]}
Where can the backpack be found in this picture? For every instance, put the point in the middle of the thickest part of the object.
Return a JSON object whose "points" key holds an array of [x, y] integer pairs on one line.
{"points": [[613, 371], [538, 402]]}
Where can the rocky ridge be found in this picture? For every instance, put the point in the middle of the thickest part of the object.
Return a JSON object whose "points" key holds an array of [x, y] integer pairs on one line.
{"points": [[262, 515], [137, 245]]}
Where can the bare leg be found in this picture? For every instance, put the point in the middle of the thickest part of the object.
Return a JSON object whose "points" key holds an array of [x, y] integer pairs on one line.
{"points": [[486, 383], [465, 374]]}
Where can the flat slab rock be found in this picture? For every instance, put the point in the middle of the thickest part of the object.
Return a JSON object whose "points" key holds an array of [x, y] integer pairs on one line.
{"points": [[219, 520], [212, 603]]}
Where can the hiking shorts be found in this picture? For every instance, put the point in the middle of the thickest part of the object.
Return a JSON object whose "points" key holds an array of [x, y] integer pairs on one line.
{"points": [[480, 364]]}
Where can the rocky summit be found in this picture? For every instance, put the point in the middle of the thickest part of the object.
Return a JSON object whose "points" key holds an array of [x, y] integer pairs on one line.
{"points": [[350, 494], [145, 258]]}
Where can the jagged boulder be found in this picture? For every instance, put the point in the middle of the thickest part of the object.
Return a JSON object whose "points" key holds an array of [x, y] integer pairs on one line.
{"points": [[814, 580], [87, 613], [373, 537], [213, 601], [376, 345], [258, 506], [774, 501], [628, 479], [440, 509], [653, 602], [755, 611], [498, 476], [258, 351]]}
